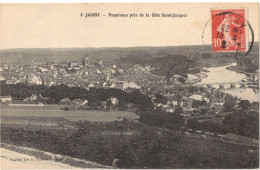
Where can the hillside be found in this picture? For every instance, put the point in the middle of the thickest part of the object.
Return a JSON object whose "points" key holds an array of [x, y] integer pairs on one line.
{"points": [[108, 55], [42, 55]]}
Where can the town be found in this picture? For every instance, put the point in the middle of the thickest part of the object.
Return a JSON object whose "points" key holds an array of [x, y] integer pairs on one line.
{"points": [[129, 86], [178, 91], [171, 94]]}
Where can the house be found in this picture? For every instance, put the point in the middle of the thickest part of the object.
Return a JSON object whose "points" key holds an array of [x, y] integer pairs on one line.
{"points": [[5, 99], [114, 100], [125, 85], [2, 78], [17, 81], [104, 104], [79, 102], [121, 71], [100, 63], [91, 84], [255, 105], [42, 69], [187, 111], [166, 108], [33, 97], [65, 101], [137, 66], [171, 99], [35, 80], [64, 65], [9, 81], [104, 84], [129, 105], [196, 97], [217, 102], [183, 102], [73, 64], [99, 71]]}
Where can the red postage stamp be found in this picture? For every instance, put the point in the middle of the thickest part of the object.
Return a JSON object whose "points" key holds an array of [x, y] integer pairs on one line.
{"points": [[228, 30]]}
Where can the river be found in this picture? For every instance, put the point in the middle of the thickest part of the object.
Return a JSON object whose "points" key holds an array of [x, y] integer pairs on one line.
{"points": [[223, 75]]}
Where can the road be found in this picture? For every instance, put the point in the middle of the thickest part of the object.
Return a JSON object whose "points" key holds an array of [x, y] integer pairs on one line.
{"points": [[14, 160]]}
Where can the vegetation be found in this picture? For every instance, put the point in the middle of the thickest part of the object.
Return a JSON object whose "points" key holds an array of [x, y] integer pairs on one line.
{"points": [[173, 64], [160, 99], [158, 118], [229, 106], [244, 104], [249, 65], [239, 122], [243, 123], [196, 103], [147, 147], [165, 64], [207, 126], [94, 95]]}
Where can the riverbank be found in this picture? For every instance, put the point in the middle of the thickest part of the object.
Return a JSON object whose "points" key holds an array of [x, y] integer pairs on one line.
{"points": [[221, 75], [210, 62], [238, 69], [207, 69]]}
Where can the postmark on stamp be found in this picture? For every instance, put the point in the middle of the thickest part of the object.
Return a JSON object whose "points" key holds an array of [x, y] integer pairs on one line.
{"points": [[228, 30]]}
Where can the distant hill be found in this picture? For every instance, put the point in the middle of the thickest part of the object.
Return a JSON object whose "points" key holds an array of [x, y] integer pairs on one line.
{"points": [[57, 55]]}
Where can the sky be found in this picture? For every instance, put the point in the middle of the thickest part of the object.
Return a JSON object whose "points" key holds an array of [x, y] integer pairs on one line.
{"points": [[60, 25]]}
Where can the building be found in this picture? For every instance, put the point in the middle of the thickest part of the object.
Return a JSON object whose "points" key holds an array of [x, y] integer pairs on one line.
{"points": [[171, 99], [64, 65], [65, 101], [50, 63], [196, 97], [100, 63], [183, 102], [85, 61], [187, 111], [124, 85], [5, 99], [34, 80], [79, 102], [73, 64], [217, 102], [114, 100]]}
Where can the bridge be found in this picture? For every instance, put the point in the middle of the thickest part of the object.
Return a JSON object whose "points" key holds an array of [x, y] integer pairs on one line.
{"points": [[224, 85]]}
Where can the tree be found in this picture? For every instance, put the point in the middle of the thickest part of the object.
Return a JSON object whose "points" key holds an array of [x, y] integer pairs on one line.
{"points": [[160, 99], [197, 103], [244, 104], [229, 106], [193, 89], [182, 80], [192, 124], [174, 121], [141, 100], [204, 111], [243, 123], [178, 110]]}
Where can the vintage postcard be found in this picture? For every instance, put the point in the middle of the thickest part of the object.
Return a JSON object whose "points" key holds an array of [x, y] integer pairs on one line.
{"points": [[129, 86]]}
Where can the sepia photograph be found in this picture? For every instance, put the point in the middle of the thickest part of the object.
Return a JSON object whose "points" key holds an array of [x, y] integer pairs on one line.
{"points": [[129, 85]]}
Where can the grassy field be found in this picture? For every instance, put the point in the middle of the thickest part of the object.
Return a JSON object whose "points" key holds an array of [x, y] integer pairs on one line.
{"points": [[72, 115], [211, 154]]}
